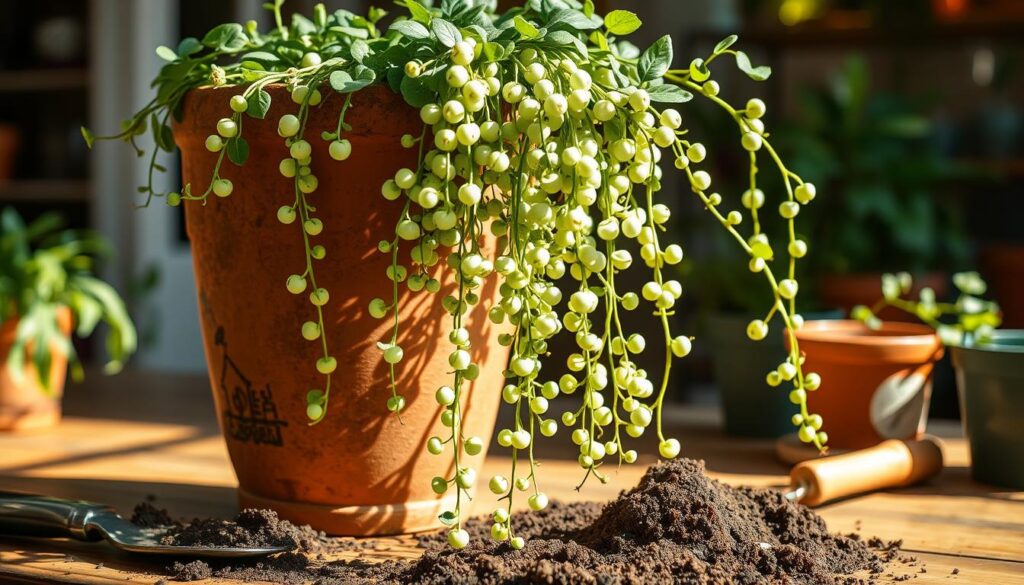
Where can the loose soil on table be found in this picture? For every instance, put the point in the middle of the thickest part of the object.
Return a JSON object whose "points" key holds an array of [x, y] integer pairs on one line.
{"points": [[676, 526]]}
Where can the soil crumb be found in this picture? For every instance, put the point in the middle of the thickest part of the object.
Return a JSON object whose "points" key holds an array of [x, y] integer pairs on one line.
{"points": [[676, 526], [147, 515]]}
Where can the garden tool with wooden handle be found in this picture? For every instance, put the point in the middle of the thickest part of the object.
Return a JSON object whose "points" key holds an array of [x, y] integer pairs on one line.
{"points": [[889, 464]]}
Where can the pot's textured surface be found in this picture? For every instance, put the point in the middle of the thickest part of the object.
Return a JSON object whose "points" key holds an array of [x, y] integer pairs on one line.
{"points": [[875, 385], [991, 383], [24, 404], [361, 470]]}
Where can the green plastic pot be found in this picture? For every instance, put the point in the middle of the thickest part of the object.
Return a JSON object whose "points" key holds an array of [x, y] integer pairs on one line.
{"points": [[751, 407], [991, 382]]}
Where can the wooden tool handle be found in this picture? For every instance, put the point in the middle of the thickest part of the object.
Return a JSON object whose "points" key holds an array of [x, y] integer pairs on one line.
{"points": [[889, 464]]}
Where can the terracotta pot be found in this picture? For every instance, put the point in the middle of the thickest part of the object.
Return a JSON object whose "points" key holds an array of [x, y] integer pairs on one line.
{"points": [[876, 385], [361, 470], [1003, 265], [845, 291], [24, 404]]}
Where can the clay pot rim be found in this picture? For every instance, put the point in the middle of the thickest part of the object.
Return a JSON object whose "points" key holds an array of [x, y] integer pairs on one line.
{"points": [[849, 341], [855, 332], [185, 131], [998, 343]]}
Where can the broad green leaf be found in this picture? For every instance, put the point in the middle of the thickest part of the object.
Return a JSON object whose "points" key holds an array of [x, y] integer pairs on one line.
{"points": [[88, 136], [699, 71], [588, 8], [410, 29], [416, 92], [166, 53], [262, 57], [622, 22], [447, 33], [756, 73], [447, 518], [669, 94], [656, 60], [259, 104], [418, 11], [725, 43], [189, 46], [87, 312], [525, 28], [162, 135], [571, 19], [229, 36], [614, 129], [360, 50], [345, 82], [238, 150], [563, 37], [493, 51]]}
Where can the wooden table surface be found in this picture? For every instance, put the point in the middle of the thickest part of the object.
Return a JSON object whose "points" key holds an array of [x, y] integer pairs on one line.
{"points": [[140, 435]]}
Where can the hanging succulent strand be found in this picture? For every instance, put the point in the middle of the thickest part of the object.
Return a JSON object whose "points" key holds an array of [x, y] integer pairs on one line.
{"points": [[545, 131]]}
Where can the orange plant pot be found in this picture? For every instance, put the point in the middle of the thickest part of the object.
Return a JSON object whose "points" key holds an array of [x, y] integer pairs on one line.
{"points": [[876, 385], [24, 404], [361, 470]]}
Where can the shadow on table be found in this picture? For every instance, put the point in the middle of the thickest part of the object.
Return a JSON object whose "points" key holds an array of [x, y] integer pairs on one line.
{"points": [[957, 481], [142, 396], [71, 561], [65, 458], [181, 500]]}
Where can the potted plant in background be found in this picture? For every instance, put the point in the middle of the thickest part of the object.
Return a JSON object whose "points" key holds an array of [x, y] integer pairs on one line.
{"points": [[520, 153], [888, 207], [48, 291], [989, 370], [728, 300]]}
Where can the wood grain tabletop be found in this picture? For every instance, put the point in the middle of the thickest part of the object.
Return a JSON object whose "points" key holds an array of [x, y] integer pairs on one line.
{"points": [[143, 435]]}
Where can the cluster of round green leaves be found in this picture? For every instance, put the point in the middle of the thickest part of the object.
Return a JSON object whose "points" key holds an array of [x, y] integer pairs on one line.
{"points": [[545, 132], [968, 320]]}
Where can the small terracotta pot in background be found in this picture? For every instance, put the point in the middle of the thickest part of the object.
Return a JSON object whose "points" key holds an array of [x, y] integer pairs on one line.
{"points": [[24, 404], [361, 470], [876, 384], [845, 291]]}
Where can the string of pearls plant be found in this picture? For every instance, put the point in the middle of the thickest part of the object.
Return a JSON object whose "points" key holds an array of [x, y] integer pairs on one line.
{"points": [[969, 320], [546, 130]]}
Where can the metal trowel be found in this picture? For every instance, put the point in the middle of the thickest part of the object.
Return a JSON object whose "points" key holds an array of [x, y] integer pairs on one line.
{"points": [[42, 516]]}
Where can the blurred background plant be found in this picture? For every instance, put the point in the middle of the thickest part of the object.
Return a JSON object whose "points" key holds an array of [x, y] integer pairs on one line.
{"points": [[889, 204], [967, 321], [44, 271]]}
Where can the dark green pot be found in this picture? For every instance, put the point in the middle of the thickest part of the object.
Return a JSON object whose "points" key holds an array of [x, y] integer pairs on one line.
{"points": [[752, 408], [991, 383]]}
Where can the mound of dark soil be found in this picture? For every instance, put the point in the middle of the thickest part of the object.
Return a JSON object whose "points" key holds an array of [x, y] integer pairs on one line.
{"points": [[251, 528], [676, 526]]}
